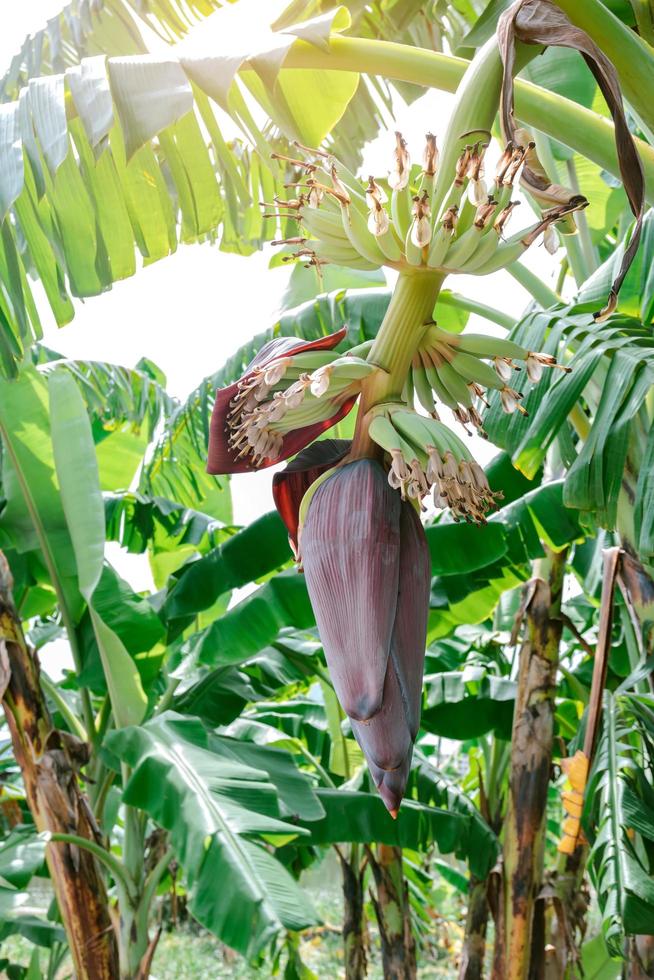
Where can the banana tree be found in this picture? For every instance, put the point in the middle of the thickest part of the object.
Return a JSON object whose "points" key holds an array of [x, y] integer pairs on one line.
{"points": [[423, 224]]}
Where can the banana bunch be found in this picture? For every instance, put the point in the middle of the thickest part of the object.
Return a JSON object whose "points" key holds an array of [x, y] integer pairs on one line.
{"points": [[290, 393], [399, 224], [457, 371], [426, 455]]}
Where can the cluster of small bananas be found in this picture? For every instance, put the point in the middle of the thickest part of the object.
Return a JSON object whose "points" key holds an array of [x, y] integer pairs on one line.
{"points": [[452, 369], [347, 223], [426, 455], [266, 406]]}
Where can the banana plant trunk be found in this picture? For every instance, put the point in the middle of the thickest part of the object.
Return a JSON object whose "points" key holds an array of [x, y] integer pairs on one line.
{"points": [[641, 958], [393, 912], [638, 584], [474, 941], [532, 739], [49, 761], [354, 935]]}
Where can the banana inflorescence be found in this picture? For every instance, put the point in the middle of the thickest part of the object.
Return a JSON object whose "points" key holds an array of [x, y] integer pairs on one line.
{"points": [[352, 509], [397, 222], [286, 394]]}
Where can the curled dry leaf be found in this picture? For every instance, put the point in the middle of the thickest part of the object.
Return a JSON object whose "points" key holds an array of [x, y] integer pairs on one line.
{"points": [[541, 22]]}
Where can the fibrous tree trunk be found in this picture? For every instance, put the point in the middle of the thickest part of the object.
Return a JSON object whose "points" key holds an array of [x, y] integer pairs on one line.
{"points": [[354, 935], [641, 958], [49, 761], [474, 942], [393, 913], [532, 739]]}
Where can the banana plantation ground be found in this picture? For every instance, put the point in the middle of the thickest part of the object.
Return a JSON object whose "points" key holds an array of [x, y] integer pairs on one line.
{"points": [[338, 660]]}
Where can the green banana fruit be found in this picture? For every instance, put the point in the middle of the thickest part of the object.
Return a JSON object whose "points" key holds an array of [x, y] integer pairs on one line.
{"points": [[423, 389], [437, 385], [454, 383], [471, 368], [463, 248], [383, 432], [483, 346], [485, 250], [401, 211], [440, 245], [356, 229]]}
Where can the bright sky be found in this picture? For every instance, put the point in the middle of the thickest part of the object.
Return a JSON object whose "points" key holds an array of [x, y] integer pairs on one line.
{"points": [[189, 312]]}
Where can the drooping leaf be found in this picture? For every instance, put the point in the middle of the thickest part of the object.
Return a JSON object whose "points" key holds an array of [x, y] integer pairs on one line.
{"points": [[34, 516], [212, 806], [362, 817], [248, 555], [77, 473]]}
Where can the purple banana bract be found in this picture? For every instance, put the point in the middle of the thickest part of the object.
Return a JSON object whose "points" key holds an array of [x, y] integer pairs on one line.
{"points": [[223, 456], [368, 573], [350, 547]]}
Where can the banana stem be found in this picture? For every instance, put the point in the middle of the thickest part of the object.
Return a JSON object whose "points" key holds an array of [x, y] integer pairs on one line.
{"points": [[576, 258], [411, 308], [588, 249], [460, 302], [540, 291]]}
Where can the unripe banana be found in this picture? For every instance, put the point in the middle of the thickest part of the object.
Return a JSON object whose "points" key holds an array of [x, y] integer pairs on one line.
{"points": [[471, 368], [455, 445], [462, 248], [351, 368], [484, 251], [353, 187], [390, 246], [382, 431], [408, 392], [356, 229], [418, 431], [423, 389], [483, 346], [455, 384], [466, 215], [341, 256], [507, 252], [502, 194], [361, 350], [310, 360], [439, 247], [324, 224], [332, 240], [412, 252], [426, 185], [437, 385], [401, 211], [452, 198]]}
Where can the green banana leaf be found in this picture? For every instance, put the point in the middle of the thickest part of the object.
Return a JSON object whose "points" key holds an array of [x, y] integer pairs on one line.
{"points": [[88, 184], [465, 704], [248, 555], [619, 867], [34, 515], [612, 372], [81, 498], [212, 807], [363, 818]]}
